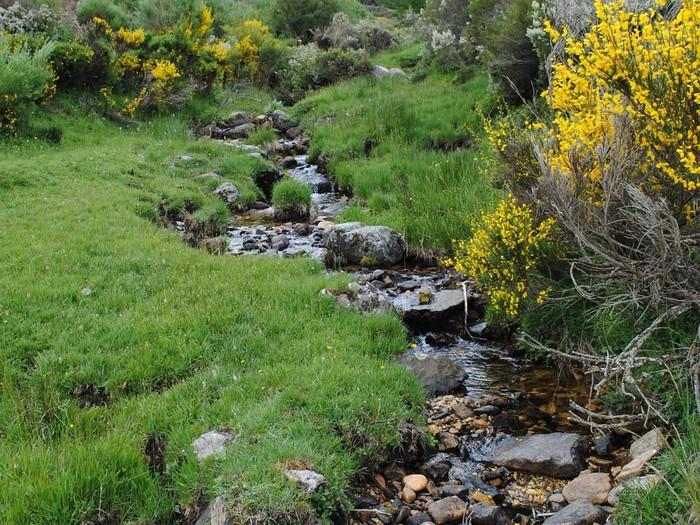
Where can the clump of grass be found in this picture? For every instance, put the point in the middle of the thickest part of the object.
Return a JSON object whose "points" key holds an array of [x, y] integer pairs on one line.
{"points": [[262, 137], [291, 198]]}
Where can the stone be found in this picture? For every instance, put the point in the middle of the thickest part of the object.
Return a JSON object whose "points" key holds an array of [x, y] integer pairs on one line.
{"points": [[557, 498], [603, 445], [216, 513], [448, 441], [437, 373], [211, 443], [485, 514], [356, 243], [408, 495], [381, 72], [237, 118], [280, 242], [417, 482], [266, 179], [227, 192], [451, 489], [288, 163], [308, 480], [560, 455], [642, 483], [589, 486], [282, 121], [444, 306], [238, 132], [447, 510], [295, 132], [652, 440], [637, 466], [578, 513], [418, 519], [208, 176]]}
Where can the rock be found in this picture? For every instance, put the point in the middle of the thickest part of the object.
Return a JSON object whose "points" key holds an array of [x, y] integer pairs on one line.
{"points": [[444, 306], [652, 440], [266, 179], [603, 445], [227, 192], [642, 483], [485, 514], [438, 374], [216, 513], [211, 444], [417, 482], [451, 489], [237, 118], [288, 163], [557, 498], [372, 302], [418, 519], [282, 121], [238, 132], [448, 441], [208, 176], [578, 513], [408, 495], [447, 510], [356, 243], [380, 72], [308, 480], [589, 486], [295, 132], [637, 466], [280, 242], [559, 455]]}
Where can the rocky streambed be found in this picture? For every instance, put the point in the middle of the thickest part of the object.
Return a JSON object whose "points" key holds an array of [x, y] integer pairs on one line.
{"points": [[504, 448]]}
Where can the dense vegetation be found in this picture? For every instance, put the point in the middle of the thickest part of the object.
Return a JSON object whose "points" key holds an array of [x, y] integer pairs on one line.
{"points": [[549, 153]]}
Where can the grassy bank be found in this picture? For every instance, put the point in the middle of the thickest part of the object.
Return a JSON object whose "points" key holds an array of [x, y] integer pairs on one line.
{"points": [[410, 152], [114, 332]]}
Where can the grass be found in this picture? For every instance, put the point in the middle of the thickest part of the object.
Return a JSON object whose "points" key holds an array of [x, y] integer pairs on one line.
{"points": [[411, 153], [291, 197], [114, 331], [676, 499]]}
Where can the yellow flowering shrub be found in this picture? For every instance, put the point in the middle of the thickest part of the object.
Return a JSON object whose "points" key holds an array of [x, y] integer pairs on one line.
{"points": [[133, 38], [502, 255], [640, 66], [255, 51]]}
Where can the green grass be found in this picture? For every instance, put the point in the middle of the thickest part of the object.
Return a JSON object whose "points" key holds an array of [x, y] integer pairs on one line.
{"points": [[411, 152], [262, 137], [174, 341], [291, 196], [676, 499]]}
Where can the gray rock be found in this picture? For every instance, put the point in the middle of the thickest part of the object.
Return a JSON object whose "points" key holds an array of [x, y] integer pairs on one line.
{"points": [[438, 374], [485, 514], [444, 306], [216, 513], [418, 519], [447, 510], [308, 480], [240, 132], [559, 455], [280, 242], [227, 192], [208, 176], [237, 118], [288, 163], [652, 440], [578, 513], [437, 467], [211, 444], [642, 483], [356, 243], [380, 72], [295, 132], [282, 121], [637, 466]]}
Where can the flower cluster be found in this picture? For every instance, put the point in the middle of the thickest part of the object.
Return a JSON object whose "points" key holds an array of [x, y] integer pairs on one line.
{"points": [[503, 254], [133, 38], [642, 68]]}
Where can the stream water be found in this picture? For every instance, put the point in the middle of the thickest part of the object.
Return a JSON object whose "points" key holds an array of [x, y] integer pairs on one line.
{"points": [[502, 394]]}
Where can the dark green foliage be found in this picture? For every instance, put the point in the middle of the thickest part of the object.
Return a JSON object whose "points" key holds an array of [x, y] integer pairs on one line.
{"points": [[105, 9], [300, 18]]}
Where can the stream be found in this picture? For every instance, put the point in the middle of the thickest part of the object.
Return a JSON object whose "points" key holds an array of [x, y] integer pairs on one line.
{"points": [[497, 393]]}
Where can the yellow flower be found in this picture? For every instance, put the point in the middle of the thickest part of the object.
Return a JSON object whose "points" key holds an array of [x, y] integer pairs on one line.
{"points": [[133, 38], [164, 71]]}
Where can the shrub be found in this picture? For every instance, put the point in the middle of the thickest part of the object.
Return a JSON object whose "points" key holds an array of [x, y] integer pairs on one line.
{"points": [[74, 64], [367, 34], [107, 10], [502, 256], [300, 18], [26, 80], [262, 137], [19, 19], [291, 198], [257, 54]]}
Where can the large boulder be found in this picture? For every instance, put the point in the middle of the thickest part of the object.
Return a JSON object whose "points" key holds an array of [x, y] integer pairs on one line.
{"points": [[227, 192], [282, 121], [560, 455], [578, 513], [211, 444], [442, 307], [238, 132], [355, 243], [237, 118], [380, 72], [438, 374], [447, 510]]}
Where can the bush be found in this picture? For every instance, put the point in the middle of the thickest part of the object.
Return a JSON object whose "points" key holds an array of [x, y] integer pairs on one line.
{"points": [[107, 10], [311, 68], [291, 198], [257, 54], [26, 80], [19, 19], [74, 64], [367, 34], [300, 18]]}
